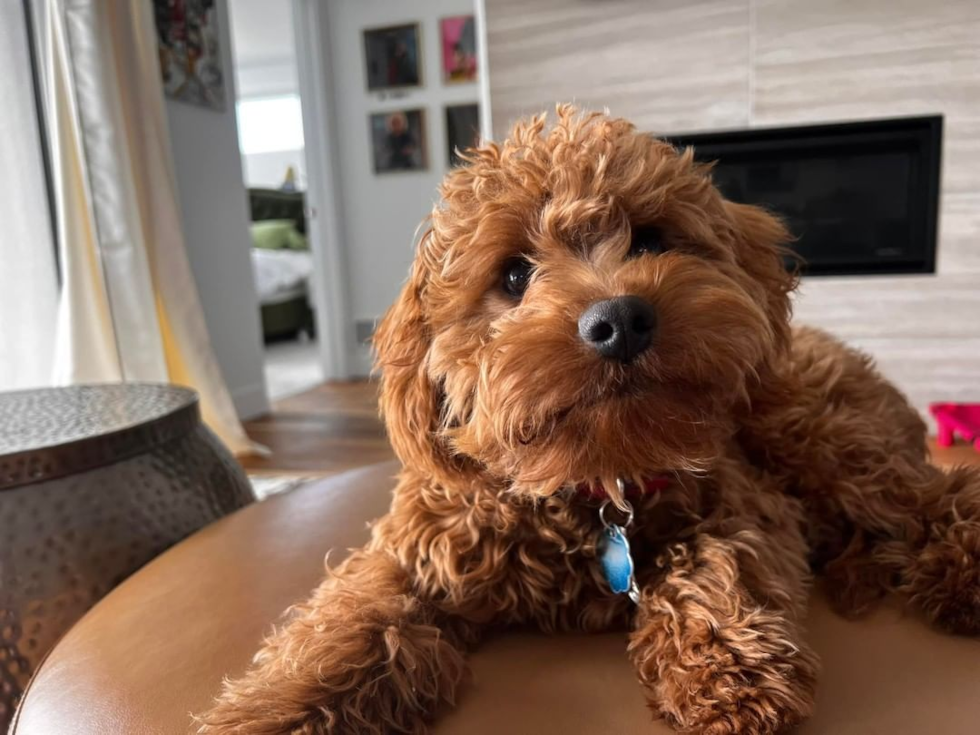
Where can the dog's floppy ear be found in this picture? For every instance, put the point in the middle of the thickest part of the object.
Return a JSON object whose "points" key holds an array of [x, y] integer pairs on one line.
{"points": [[762, 253], [410, 402]]}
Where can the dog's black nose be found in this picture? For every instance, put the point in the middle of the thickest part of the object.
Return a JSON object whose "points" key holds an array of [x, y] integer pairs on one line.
{"points": [[619, 328]]}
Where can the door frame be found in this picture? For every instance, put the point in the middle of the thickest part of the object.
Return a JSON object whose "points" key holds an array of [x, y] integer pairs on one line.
{"points": [[324, 210], [483, 65]]}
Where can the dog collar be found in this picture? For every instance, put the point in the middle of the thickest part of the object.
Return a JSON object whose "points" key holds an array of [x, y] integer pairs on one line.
{"points": [[596, 491]]}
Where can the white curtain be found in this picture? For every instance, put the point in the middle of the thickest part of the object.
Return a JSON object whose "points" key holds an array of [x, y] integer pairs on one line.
{"points": [[129, 308], [28, 279]]}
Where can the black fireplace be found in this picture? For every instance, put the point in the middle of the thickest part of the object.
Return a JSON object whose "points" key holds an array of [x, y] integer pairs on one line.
{"points": [[860, 197]]}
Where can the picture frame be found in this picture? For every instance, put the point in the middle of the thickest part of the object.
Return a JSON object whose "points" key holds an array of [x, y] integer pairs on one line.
{"points": [[393, 57], [398, 141], [457, 38], [462, 130], [190, 53]]}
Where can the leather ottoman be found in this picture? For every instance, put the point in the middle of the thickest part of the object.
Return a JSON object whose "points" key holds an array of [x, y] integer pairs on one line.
{"points": [[156, 648]]}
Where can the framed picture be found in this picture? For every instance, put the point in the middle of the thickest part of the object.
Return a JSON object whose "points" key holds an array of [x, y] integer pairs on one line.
{"points": [[392, 56], [398, 141], [462, 130], [458, 48], [190, 56]]}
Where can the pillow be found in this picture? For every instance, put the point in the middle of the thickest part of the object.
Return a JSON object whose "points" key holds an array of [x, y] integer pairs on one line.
{"points": [[273, 234], [296, 240]]}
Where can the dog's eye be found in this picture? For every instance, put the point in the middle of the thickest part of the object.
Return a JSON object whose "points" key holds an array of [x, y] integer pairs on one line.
{"points": [[517, 274], [646, 240]]}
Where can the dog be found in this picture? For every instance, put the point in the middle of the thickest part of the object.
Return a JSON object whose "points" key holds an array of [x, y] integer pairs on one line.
{"points": [[607, 421]]}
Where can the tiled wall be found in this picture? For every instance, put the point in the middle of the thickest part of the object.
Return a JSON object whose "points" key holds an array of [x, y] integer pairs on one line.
{"points": [[685, 65]]}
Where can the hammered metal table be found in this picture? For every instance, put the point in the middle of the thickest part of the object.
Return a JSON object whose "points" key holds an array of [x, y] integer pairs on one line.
{"points": [[95, 481]]}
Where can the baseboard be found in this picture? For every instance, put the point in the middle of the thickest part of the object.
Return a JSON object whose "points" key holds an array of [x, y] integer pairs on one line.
{"points": [[360, 361], [250, 401]]}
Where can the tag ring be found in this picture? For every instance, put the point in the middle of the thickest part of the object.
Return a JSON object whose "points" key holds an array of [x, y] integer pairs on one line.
{"points": [[606, 523]]}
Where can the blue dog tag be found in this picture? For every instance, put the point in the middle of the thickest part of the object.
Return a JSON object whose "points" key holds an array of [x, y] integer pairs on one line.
{"points": [[617, 564]]}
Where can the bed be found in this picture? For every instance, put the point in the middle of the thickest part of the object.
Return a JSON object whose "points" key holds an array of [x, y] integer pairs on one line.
{"points": [[283, 276]]}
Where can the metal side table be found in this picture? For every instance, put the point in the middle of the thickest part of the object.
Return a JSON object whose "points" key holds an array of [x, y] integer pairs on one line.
{"points": [[95, 481]]}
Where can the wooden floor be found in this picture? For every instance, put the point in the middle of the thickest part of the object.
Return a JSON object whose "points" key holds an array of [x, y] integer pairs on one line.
{"points": [[958, 454], [329, 429], [335, 427]]}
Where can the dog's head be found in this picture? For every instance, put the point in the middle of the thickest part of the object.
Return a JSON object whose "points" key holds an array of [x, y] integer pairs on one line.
{"points": [[584, 305]]}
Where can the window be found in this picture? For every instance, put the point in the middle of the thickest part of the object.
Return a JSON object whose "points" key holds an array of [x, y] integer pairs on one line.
{"points": [[270, 124]]}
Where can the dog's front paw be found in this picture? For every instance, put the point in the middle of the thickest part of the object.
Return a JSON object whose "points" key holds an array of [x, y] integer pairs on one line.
{"points": [[944, 580], [728, 697]]}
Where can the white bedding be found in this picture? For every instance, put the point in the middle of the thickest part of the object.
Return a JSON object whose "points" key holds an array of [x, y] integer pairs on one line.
{"points": [[281, 274]]}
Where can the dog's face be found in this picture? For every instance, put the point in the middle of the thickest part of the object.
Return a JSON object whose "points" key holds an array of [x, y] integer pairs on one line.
{"points": [[584, 306]]}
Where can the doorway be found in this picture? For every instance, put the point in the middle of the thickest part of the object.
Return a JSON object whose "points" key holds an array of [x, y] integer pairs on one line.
{"points": [[269, 110]]}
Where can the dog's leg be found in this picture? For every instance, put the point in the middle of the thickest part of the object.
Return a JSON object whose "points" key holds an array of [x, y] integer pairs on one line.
{"points": [[363, 655], [881, 517], [916, 532], [716, 643], [942, 576]]}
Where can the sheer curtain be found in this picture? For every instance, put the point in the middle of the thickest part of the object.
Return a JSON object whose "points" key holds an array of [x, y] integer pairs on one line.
{"points": [[28, 276], [129, 308]]}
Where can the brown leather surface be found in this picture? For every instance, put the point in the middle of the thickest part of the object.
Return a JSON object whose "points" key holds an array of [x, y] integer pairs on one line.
{"points": [[156, 648]]}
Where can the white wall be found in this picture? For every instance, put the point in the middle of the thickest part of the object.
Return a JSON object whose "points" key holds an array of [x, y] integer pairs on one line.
{"points": [[381, 212], [215, 218], [265, 78], [265, 52]]}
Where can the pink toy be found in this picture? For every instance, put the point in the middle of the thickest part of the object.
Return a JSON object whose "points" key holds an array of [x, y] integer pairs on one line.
{"points": [[962, 418]]}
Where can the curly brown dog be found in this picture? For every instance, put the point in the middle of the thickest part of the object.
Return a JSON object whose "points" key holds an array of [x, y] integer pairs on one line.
{"points": [[586, 308]]}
